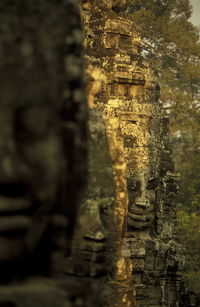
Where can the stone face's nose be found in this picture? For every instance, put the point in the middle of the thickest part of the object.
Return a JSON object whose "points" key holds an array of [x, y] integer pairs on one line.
{"points": [[6, 166], [94, 229], [142, 200], [11, 162], [8, 150], [8, 158]]}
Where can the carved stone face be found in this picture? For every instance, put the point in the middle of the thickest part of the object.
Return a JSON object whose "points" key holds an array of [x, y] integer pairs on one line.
{"points": [[91, 238], [141, 202], [31, 158]]}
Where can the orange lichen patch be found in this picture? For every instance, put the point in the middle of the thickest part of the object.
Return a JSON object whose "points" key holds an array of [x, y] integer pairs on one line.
{"points": [[116, 147], [96, 79]]}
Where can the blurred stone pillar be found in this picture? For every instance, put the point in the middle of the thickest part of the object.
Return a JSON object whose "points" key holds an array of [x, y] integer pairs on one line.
{"points": [[42, 147]]}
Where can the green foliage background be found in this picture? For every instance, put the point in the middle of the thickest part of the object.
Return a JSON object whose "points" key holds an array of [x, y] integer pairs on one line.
{"points": [[171, 43]]}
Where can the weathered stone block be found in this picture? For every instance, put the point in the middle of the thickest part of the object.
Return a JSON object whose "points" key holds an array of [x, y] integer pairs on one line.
{"points": [[120, 26], [110, 41], [123, 58], [119, 89], [136, 90], [138, 265]]}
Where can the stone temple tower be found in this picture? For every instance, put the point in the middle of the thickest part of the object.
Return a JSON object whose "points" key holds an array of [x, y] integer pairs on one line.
{"points": [[124, 87]]}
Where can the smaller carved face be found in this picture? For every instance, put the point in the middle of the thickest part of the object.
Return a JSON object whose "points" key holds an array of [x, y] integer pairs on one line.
{"points": [[142, 194], [92, 234]]}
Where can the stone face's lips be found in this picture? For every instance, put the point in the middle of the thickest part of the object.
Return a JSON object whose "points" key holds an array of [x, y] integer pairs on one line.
{"points": [[14, 214], [13, 205], [96, 249], [11, 223], [138, 223], [139, 217], [93, 248], [142, 204], [136, 211]]}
